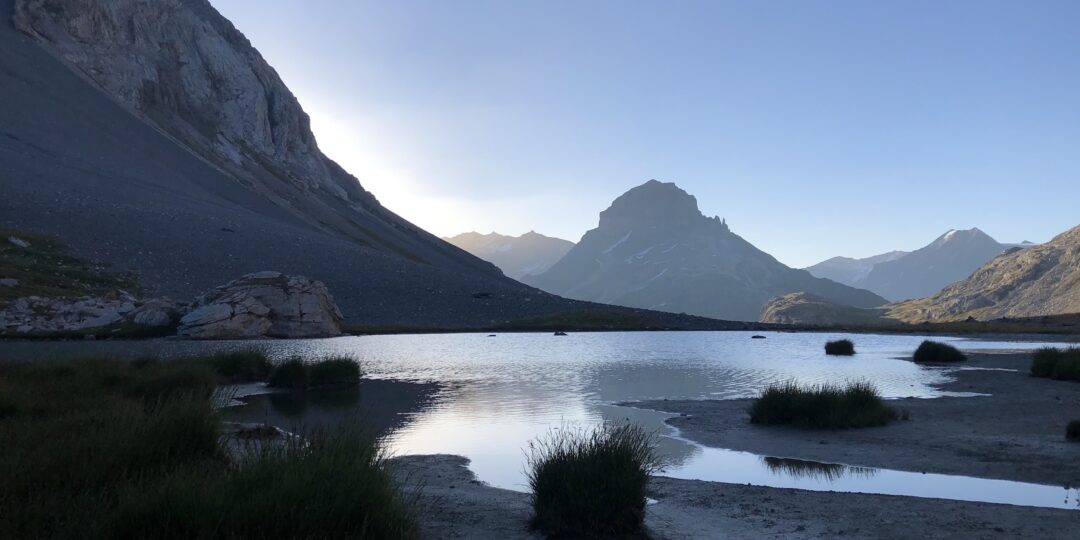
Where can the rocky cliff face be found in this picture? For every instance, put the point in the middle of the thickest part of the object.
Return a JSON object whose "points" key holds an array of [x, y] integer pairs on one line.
{"points": [[188, 71], [517, 256], [654, 249], [151, 137]]}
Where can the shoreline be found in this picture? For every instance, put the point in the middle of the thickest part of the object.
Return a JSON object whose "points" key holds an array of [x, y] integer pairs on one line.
{"points": [[967, 436]]}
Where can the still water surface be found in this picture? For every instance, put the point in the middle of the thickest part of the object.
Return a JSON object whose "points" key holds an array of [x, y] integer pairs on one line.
{"points": [[495, 394]]}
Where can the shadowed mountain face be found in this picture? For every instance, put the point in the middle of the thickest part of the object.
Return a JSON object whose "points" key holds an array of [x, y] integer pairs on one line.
{"points": [[516, 256], [850, 271], [152, 136], [654, 249], [925, 271]]}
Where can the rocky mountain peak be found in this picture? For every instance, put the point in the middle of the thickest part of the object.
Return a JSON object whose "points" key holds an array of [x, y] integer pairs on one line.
{"points": [[653, 203]]}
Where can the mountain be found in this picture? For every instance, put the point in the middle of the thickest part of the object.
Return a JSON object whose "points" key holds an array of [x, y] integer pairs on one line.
{"points": [[951, 257], [654, 249], [151, 136], [516, 256], [1023, 282], [851, 271], [1040, 280]]}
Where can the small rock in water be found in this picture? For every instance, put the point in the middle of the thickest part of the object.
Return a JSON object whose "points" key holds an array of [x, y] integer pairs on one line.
{"points": [[757, 337], [18, 241]]}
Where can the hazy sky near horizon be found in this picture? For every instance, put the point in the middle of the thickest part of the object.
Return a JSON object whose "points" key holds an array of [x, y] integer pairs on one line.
{"points": [[815, 128]]}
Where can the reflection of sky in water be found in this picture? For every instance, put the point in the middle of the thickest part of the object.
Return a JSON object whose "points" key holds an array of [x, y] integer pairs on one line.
{"points": [[501, 392]]}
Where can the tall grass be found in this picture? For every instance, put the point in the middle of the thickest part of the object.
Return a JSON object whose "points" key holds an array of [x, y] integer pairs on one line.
{"points": [[245, 365], [933, 352], [591, 482], [842, 347], [1057, 363], [297, 374], [823, 406], [109, 448]]}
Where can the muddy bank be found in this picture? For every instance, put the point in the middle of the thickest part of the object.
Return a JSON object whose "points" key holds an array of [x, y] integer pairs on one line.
{"points": [[1016, 432], [453, 504]]}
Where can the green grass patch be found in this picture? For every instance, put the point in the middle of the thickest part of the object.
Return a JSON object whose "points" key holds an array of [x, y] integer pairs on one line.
{"points": [[46, 268], [1060, 364], [245, 365], [823, 406], [842, 347], [297, 374], [934, 352], [133, 449], [592, 482]]}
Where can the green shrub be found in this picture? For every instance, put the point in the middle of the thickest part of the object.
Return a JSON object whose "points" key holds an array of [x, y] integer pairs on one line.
{"points": [[589, 483], [1072, 431], [1056, 363], [933, 352], [823, 406], [292, 373], [334, 372], [843, 347]]}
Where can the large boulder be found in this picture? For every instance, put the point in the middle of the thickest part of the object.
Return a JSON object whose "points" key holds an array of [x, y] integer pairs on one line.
{"points": [[264, 304], [36, 315]]}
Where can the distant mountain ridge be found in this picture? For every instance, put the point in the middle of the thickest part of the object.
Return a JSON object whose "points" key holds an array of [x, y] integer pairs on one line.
{"points": [[851, 271], [899, 276], [654, 249], [1025, 281], [516, 256]]}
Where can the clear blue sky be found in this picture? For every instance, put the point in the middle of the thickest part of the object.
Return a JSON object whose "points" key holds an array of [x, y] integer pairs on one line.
{"points": [[817, 128]]}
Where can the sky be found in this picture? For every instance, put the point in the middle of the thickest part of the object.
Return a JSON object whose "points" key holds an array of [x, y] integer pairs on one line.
{"points": [[816, 128]]}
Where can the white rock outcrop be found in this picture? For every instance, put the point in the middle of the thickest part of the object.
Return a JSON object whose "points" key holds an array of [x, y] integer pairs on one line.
{"points": [[39, 315], [264, 304]]}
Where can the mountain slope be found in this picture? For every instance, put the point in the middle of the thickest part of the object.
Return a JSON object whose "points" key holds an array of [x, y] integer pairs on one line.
{"points": [[151, 136], [1040, 280], [654, 249], [516, 256], [851, 271], [951, 257]]}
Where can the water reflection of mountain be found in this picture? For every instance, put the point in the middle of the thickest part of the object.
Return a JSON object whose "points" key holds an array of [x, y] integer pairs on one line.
{"points": [[814, 470], [380, 406]]}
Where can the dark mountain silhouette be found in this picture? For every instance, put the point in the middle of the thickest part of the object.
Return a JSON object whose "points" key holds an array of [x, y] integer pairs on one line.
{"points": [[516, 256], [654, 249]]}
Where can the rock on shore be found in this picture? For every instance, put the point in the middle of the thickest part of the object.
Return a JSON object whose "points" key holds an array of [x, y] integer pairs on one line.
{"points": [[40, 315], [264, 304]]}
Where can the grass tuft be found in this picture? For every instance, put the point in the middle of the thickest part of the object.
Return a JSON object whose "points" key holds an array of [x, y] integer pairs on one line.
{"points": [[1063, 365], [297, 374], [591, 482], [1072, 431], [843, 347], [245, 365], [823, 406], [933, 352]]}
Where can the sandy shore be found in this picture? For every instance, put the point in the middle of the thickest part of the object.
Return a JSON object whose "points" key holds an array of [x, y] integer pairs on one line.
{"points": [[453, 504], [1015, 433]]}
